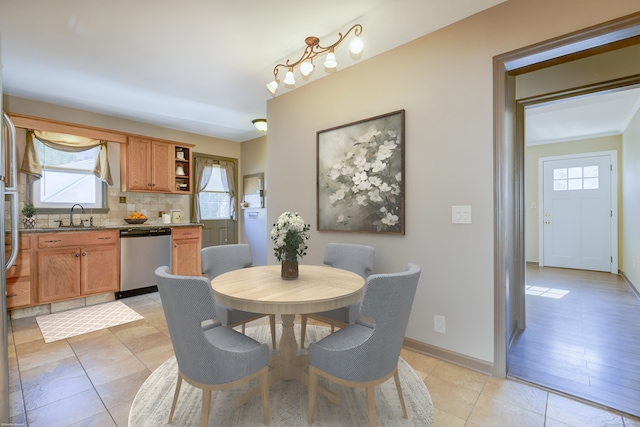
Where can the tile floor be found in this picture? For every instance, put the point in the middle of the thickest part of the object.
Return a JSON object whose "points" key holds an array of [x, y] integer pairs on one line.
{"points": [[91, 380]]}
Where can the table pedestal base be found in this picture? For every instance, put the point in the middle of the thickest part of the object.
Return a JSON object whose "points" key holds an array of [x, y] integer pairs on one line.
{"points": [[287, 364]]}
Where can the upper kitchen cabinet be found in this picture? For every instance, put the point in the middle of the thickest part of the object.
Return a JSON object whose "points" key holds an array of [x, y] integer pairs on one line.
{"points": [[183, 168], [148, 165]]}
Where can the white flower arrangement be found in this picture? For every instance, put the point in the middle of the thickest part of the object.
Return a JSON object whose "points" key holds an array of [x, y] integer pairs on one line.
{"points": [[290, 234]]}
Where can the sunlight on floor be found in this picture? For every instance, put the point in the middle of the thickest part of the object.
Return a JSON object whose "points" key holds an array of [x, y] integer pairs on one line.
{"points": [[545, 292]]}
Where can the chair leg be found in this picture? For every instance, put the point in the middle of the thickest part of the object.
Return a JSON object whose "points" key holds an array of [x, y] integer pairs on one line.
{"points": [[396, 377], [371, 407], [175, 397], [272, 324], [206, 406], [264, 395], [313, 389], [303, 329], [244, 328]]}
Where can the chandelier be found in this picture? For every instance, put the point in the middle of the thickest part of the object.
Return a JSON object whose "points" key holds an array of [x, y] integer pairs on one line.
{"points": [[312, 50]]}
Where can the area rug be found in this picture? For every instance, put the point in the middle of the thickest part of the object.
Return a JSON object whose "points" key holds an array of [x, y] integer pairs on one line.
{"points": [[288, 400], [67, 324]]}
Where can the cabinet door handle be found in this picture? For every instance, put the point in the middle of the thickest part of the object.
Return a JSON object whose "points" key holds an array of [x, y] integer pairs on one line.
{"points": [[11, 295], [104, 238], [84, 254], [77, 255], [51, 241]]}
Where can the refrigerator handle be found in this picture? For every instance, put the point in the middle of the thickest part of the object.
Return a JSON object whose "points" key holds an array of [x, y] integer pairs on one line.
{"points": [[11, 174], [11, 180]]}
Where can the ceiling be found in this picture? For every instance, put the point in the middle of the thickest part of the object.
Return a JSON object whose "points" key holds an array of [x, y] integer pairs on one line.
{"points": [[198, 66], [590, 116], [201, 66]]}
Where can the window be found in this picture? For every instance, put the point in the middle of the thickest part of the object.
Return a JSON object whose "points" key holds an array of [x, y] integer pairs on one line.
{"points": [[215, 202], [67, 178], [577, 178]]}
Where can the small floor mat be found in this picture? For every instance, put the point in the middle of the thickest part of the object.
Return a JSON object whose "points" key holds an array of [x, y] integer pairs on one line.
{"points": [[67, 324]]}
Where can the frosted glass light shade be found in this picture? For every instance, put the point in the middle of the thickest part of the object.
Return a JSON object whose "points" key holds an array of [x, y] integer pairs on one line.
{"points": [[306, 68], [289, 79], [260, 124], [330, 62], [272, 87], [356, 45]]}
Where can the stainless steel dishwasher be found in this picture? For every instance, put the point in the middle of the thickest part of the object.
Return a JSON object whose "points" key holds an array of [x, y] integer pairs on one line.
{"points": [[142, 250]]}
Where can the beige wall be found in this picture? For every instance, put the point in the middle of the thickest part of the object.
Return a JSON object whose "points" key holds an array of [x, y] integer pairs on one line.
{"points": [[254, 160], [444, 82], [631, 202], [533, 154]]}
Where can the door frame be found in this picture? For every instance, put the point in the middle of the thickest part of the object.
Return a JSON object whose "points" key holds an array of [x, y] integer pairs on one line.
{"points": [[613, 158], [508, 148]]}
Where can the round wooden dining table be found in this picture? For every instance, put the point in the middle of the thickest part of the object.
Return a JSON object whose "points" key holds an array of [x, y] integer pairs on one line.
{"points": [[260, 289]]}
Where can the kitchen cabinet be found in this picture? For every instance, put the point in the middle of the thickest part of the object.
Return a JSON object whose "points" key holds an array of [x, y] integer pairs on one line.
{"points": [[148, 165], [75, 264], [19, 275], [183, 172], [186, 243]]}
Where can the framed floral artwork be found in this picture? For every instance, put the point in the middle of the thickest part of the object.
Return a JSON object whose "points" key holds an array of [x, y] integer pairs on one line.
{"points": [[360, 179]]}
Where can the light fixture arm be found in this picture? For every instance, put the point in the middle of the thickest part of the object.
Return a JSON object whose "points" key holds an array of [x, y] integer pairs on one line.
{"points": [[314, 49]]}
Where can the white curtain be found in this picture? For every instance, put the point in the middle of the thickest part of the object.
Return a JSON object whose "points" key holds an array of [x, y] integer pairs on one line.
{"points": [[203, 169], [229, 183]]}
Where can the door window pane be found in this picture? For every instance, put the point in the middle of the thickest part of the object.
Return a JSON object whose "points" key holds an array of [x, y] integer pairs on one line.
{"points": [[577, 178]]}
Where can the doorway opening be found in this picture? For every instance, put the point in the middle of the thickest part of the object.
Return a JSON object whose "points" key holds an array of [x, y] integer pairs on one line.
{"points": [[510, 203]]}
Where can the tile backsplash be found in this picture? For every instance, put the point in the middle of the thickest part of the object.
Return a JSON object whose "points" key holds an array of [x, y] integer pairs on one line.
{"points": [[148, 203]]}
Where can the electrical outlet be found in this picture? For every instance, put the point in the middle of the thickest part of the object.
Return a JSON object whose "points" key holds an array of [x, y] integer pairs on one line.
{"points": [[438, 324], [123, 199]]}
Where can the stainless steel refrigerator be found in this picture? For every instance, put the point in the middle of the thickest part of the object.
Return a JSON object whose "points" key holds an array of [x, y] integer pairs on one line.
{"points": [[8, 235]]}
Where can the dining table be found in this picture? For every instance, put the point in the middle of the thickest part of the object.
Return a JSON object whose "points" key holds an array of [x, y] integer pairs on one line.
{"points": [[261, 289]]}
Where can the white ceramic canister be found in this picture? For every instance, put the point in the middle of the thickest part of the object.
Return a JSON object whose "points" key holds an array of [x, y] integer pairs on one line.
{"points": [[176, 216], [166, 218]]}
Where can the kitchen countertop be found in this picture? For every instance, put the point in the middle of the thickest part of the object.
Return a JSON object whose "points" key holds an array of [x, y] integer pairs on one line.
{"points": [[123, 226]]}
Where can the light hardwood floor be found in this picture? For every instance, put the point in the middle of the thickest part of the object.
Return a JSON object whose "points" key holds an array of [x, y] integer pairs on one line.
{"points": [[91, 380], [582, 337]]}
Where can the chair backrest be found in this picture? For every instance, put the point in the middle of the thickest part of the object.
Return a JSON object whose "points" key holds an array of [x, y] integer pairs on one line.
{"points": [[388, 302], [187, 301], [355, 258], [217, 260]]}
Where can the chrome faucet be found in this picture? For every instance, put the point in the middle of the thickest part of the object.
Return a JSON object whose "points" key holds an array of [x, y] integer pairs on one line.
{"points": [[71, 215]]}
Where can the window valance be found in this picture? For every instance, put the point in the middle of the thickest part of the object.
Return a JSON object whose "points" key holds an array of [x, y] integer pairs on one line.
{"points": [[64, 142]]}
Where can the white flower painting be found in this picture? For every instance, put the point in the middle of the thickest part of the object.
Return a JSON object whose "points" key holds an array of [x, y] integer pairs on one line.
{"points": [[361, 176]]}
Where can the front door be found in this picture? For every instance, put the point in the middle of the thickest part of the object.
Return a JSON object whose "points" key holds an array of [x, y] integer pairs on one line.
{"points": [[577, 212]]}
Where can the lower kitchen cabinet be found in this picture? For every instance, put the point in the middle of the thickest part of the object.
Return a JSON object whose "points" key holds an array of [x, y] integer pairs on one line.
{"points": [[186, 243], [75, 264]]}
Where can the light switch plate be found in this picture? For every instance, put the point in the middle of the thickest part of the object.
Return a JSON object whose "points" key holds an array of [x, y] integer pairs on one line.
{"points": [[461, 214]]}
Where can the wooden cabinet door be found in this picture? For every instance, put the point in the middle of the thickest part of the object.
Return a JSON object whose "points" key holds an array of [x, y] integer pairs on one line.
{"points": [[185, 257], [58, 274], [100, 269], [138, 165], [162, 172], [186, 243]]}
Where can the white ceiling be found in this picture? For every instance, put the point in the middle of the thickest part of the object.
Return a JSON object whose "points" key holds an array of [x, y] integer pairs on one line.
{"points": [[590, 116], [199, 65]]}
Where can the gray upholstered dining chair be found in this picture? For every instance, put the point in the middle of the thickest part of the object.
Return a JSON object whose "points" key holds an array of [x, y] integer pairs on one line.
{"points": [[209, 356], [366, 353], [355, 258], [217, 260]]}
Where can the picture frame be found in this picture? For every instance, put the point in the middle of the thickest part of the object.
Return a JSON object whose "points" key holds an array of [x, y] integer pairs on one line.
{"points": [[360, 176]]}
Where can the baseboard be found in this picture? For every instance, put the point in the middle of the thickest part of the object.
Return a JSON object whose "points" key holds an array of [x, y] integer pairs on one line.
{"points": [[631, 285], [449, 356]]}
